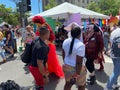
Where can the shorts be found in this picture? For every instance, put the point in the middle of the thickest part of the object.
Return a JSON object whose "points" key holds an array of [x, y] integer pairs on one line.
{"points": [[37, 75], [69, 72]]}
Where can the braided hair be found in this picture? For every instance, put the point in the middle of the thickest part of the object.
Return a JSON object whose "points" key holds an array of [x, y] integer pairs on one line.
{"points": [[75, 32]]}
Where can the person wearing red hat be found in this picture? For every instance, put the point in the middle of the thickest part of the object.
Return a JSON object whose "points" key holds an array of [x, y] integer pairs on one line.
{"points": [[53, 62]]}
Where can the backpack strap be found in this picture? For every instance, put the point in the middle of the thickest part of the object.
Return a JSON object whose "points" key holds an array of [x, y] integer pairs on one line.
{"points": [[116, 38]]}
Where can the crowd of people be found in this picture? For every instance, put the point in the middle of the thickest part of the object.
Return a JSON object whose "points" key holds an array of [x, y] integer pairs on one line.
{"points": [[78, 55], [7, 41]]}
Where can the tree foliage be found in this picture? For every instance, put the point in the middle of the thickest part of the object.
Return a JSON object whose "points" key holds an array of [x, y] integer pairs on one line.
{"points": [[51, 4], [8, 15], [106, 7], [94, 7]]}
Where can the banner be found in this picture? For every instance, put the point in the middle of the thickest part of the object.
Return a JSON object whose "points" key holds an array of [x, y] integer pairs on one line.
{"points": [[51, 22], [75, 18]]}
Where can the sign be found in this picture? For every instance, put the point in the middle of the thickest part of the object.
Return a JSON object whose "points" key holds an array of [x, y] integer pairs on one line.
{"points": [[74, 18]]}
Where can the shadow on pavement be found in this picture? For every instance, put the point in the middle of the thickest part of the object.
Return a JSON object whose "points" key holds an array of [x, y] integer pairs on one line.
{"points": [[94, 87], [102, 76], [11, 59], [54, 80], [8, 60], [26, 69], [27, 88]]}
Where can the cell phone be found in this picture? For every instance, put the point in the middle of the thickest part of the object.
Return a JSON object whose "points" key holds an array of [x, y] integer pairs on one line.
{"points": [[72, 81]]}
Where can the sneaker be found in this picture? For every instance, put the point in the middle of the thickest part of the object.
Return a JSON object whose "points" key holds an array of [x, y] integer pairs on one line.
{"points": [[4, 61], [116, 86], [91, 78]]}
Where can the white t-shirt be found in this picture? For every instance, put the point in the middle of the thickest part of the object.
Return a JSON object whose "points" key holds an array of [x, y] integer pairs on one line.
{"points": [[78, 49], [114, 34]]}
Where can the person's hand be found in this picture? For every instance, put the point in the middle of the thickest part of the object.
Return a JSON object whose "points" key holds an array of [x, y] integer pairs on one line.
{"points": [[99, 54], [46, 79]]}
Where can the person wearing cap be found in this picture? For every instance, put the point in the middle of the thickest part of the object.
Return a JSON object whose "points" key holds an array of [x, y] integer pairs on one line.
{"points": [[30, 35], [53, 62]]}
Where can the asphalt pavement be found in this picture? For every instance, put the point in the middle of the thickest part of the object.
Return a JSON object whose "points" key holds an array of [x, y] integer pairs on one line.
{"points": [[15, 70]]}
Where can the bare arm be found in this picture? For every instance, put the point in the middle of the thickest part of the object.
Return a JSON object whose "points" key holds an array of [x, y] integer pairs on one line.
{"points": [[41, 67]]}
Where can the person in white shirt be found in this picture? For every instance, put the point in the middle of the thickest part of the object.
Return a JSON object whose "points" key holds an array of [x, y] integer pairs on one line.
{"points": [[73, 54], [112, 83]]}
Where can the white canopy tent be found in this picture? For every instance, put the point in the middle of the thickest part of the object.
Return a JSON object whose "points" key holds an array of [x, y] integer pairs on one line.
{"points": [[65, 9], [1, 24]]}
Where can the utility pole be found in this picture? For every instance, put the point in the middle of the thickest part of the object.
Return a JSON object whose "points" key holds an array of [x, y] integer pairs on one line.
{"points": [[22, 7], [39, 6]]}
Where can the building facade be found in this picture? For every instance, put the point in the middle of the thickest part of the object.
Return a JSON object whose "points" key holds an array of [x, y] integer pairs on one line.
{"points": [[81, 3]]}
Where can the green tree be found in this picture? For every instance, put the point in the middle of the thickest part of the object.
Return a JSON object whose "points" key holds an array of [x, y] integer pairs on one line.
{"points": [[94, 7], [51, 4], [106, 7], [8, 15]]}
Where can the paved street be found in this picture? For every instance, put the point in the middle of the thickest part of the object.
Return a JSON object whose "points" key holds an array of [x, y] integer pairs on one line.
{"points": [[15, 70]]}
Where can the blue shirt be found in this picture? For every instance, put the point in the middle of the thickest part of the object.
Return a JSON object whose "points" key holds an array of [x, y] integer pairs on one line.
{"points": [[1, 45]]}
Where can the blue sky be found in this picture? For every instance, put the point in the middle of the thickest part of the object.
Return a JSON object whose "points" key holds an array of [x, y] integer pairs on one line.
{"points": [[34, 4]]}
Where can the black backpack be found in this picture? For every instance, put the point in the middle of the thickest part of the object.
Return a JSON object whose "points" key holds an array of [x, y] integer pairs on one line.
{"points": [[116, 47], [27, 54], [9, 85]]}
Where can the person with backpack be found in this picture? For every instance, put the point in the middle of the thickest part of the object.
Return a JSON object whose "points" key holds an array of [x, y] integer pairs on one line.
{"points": [[94, 48], [115, 55], [53, 63], [39, 57]]}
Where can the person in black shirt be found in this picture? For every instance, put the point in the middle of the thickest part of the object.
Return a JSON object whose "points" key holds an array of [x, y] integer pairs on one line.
{"points": [[39, 58], [9, 40]]}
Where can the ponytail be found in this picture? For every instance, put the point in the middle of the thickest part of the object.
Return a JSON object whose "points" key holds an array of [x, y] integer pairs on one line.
{"points": [[71, 46]]}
